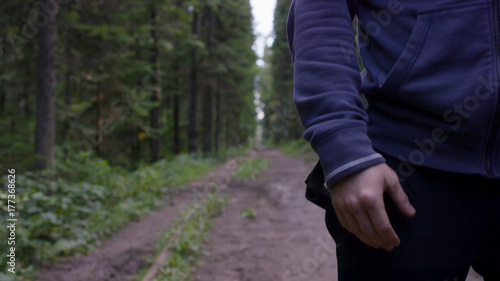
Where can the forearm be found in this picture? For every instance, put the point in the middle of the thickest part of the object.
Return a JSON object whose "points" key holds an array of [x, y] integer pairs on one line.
{"points": [[327, 85]]}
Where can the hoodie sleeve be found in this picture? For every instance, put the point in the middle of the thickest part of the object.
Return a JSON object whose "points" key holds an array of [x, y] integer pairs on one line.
{"points": [[327, 82]]}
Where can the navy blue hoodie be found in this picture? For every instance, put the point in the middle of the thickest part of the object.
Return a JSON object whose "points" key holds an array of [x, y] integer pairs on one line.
{"points": [[430, 80]]}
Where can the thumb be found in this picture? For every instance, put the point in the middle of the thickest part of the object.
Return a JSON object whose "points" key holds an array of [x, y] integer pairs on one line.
{"points": [[394, 189]]}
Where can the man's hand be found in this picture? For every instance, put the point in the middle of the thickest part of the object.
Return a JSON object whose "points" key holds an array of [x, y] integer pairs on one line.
{"points": [[359, 204]]}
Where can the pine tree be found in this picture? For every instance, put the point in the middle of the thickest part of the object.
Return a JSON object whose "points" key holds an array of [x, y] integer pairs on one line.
{"points": [[155, 83], [45, 134], [284, 123], [208, 123], [193, 108], [125, 79]]}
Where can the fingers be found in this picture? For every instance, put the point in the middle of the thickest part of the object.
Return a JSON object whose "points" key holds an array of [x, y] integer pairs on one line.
{"points": [[398, 195], [383, 227], [369, 227], [342, 219], [367, 234], [350, 223]]}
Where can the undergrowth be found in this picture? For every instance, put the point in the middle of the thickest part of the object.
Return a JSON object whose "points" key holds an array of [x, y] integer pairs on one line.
{"points": [[251, 167], [299, 149], [89, 201]]}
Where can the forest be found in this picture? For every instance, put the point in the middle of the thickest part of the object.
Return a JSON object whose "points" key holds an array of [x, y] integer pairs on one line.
{"points": [[106, 105]]}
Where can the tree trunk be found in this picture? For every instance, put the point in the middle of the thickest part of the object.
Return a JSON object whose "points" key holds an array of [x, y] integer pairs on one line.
{"points": [[155, 87], [209, 87], [67, 89], [3, 81], [193, 108], [27, 111], [177, 85], [227, 125], [68, 77], [177, 131], [99, 114], [45, 116], [218, 121]]}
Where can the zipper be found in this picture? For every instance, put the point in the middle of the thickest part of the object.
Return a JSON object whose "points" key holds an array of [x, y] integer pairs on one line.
{"points": [[496, 121]]}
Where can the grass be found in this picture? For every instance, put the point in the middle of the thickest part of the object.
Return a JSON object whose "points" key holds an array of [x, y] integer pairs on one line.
{"points": [[189, 233], [248, 213], [299, 149], [249, 169]]}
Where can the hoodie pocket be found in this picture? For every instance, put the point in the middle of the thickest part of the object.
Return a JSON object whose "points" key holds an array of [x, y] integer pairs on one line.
{"points": [[448, 49], [410, 52]]}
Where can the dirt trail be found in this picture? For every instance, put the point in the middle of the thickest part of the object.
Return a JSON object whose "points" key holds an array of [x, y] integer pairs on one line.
{"points": [[287, 240]]}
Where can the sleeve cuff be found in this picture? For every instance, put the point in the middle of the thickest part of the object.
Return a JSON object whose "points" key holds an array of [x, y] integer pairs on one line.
{"points": [[344, 152], [352, 167]]}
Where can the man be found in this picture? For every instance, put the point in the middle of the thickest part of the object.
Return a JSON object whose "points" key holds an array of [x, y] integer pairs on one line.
{"points": [[415, 188]]}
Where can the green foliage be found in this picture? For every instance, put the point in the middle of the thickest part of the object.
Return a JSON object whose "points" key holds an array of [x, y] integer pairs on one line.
{"points": [[299, 148], [186, 238], [17, 149], [233, 152], [235, 69], [282, 121], [105, 49], [94, 200], [248, 213], [251, 167]]}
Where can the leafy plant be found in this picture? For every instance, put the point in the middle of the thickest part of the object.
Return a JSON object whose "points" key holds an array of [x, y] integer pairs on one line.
{"points": [[251, 167], [248, 213], [300, 149]]}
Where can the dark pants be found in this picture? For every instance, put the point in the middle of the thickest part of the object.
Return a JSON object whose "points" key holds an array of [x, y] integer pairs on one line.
{"points": [[457, 225]]}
